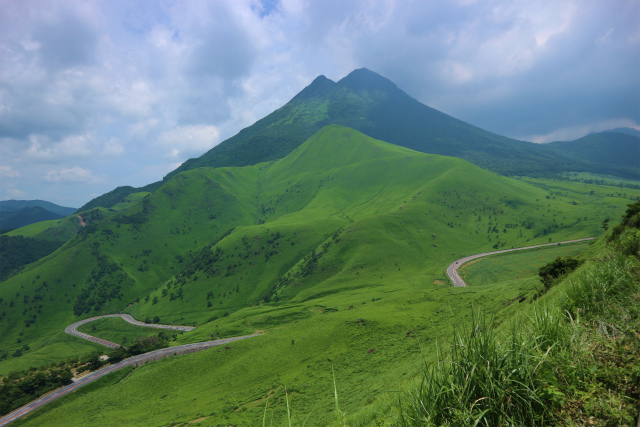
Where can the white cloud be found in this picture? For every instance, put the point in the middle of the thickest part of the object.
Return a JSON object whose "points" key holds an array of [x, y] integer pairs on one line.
{"points": [[41, 148], [8, 172], [17, 194], [112, 148], [574, 132], [188, 140], [73, 174]]}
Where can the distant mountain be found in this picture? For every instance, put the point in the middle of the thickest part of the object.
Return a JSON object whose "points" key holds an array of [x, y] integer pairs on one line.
{"points": [[26, 216], [375, 106], [604, 152], [16, 205], [628, 131]]}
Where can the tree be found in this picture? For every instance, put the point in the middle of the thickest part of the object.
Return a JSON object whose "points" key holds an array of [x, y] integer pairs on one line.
{"points": [[556, 269]]}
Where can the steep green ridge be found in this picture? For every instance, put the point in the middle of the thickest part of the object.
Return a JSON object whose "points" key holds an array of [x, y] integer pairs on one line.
{"points": [[372, 104]]}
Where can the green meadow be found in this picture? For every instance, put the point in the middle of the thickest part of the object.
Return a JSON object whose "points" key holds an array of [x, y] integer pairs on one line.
{"points": [[514, 265], [336, 252], [116, 330]]}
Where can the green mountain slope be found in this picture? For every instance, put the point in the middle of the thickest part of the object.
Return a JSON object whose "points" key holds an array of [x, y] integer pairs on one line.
{"points": [[343, 215]]}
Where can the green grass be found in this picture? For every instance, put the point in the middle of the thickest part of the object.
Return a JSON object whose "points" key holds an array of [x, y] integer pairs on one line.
{"points": [[341, 230], [571, 359], [300, 353], [514, 265], [116, 330]]}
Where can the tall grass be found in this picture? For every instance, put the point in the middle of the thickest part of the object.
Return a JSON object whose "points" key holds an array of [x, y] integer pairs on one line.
{"points": [[595, 291], [548, 367], [483, 381]]}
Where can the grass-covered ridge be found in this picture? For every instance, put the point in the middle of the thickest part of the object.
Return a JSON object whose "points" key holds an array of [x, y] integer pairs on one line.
{"points": [[336, 251]]}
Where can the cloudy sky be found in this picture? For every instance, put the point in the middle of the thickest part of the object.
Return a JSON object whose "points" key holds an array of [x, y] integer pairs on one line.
{"points": [[97, 94]]}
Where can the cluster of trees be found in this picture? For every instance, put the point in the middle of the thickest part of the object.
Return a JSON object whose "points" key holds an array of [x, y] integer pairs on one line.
{"points": [[17, 251], [20, 388], [142, 345], [554, 271], [104, 284]]}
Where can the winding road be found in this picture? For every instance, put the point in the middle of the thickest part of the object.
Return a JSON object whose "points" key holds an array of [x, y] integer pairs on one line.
{"points": [[71, 329], [131, 361], [452, 270]]}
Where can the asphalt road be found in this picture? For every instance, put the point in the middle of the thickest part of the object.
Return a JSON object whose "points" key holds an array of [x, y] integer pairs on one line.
{"points": [[56, 394], [71, 329], [452, 270]]}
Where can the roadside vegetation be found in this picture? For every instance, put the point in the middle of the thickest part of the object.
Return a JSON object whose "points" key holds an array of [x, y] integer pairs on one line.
{"points": [[572, 359]]}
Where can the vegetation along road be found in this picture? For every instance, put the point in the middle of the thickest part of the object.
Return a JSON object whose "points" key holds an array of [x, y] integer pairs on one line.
{"points": [[138, 360], [71, 329], [452, 270]]}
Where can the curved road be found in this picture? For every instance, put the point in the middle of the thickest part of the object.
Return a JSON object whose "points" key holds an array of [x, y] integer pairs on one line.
{"points": [[134, 360], [452, 270], [71, 329]]}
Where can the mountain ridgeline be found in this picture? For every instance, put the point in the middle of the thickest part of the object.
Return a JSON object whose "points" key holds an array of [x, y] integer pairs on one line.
{"points": [[375, 106], [343, 213]]}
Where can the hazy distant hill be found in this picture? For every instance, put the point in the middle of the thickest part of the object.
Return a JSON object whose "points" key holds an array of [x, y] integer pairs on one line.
{"points": [[25, 216], [604, 152], [16, 205]]}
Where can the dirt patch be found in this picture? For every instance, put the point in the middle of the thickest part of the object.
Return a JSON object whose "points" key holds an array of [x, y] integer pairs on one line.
{"points": [[198, 420], [439, 282]]}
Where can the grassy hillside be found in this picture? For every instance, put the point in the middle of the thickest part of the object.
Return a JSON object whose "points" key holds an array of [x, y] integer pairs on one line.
{"points": [[31, 243], [338, 251]]}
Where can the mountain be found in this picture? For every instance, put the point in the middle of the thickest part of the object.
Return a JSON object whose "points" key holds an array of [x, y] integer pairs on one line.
{"points": [[627, 131], [604, 153], [18, 213], [340, 215], [25, 216], [15, 205], [375, 106]]}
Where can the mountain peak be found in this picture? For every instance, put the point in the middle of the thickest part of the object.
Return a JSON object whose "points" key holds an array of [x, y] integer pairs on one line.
{"points": [[364, 78], [319, 86]]}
